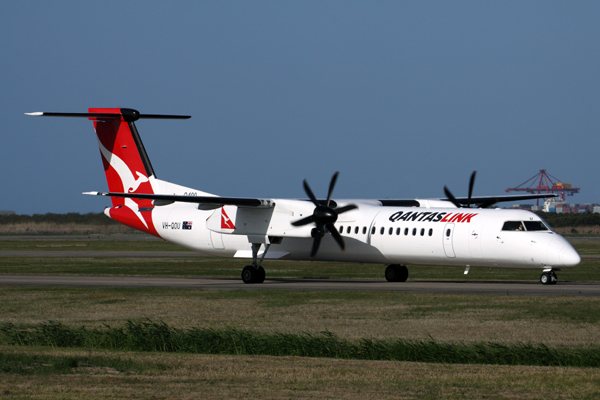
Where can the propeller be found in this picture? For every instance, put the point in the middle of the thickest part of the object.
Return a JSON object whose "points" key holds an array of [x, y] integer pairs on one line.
{"points": [[324, 217], [453, 199]]}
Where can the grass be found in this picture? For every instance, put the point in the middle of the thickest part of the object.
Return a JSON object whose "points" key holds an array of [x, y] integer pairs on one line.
{"points": [[157, 336], [168, 375], [108, 243], [24, 363], [557, 321]]}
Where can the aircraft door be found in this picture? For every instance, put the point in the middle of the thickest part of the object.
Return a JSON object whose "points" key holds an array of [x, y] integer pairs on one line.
{"points": [[217, 240], [448, 235]]}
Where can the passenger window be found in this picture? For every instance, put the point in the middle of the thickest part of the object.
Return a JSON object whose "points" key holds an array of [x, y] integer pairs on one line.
{"points": [[348, 230], [356, 230], [373, 231], [414, 231], [513, 226], [398, 231], [341, 229], [364, 230], [430, 231], [382, 231], [422, 231], [405, 231], [391, 231]]}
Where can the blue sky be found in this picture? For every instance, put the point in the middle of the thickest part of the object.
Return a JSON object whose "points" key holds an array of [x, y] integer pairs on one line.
{"points": [[401, 97]]}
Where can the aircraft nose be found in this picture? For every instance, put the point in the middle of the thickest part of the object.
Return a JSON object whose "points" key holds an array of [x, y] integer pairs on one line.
{"points": [[569, 256], [560, 253]]}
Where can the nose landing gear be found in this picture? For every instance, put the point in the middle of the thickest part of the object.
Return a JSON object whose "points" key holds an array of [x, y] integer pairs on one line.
{"points": [[548, 277]]}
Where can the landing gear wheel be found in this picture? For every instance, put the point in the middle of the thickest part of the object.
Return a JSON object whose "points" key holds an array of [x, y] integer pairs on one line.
{"points": [[260, 275], [396, 273], [250, 274], [545, 278], [548, 278]]}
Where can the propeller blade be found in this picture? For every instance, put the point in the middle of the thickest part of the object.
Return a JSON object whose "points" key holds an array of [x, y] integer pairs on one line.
{"points": [[451, 197], [344, 209], [310, 193], [315, 246], [471, 184], [304, 221], [336, 235], [331, 186]]}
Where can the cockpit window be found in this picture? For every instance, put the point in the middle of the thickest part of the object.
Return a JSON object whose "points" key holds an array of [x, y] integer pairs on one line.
{"points": [[524, 226], [513, 226], [547, 226], [535, 226]]}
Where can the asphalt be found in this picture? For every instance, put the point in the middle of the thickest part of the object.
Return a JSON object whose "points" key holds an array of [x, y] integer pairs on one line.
{"points": [[411, 286], [127, 254]]}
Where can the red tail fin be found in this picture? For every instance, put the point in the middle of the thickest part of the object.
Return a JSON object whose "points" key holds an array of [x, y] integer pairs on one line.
{"points": [[126, 165]]}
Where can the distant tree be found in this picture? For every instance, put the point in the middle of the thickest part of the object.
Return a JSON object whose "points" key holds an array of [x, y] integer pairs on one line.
{"points": [[69, 218], [567, 219]]}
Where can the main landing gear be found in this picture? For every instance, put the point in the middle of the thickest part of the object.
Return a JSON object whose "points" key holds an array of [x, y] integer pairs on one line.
{"points": [[396, 273], [548, 277], [255, 273]]}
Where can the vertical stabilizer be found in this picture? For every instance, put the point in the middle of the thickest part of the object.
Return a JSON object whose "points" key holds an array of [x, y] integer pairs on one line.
{"points": [[126, 165]]}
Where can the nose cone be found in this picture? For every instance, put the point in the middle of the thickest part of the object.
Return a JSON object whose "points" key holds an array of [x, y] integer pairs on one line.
{"points": [[569, 256], [560, 253]]}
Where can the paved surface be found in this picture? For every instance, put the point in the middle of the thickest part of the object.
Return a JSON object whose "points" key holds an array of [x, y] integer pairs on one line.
{"points": [[127, 254], [453, 287]]}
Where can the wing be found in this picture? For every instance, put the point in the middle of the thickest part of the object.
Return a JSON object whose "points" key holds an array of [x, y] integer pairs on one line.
{"points": [[480, 201], [204, 202]]}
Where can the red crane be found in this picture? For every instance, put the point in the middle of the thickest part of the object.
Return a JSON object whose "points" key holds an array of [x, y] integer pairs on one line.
{"points": [[545, 184]]}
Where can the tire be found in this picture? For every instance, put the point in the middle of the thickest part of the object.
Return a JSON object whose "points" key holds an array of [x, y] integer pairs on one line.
{"points": [[402, 273], [260, 278], [545, 279], [396, 273], [249, 274], [390, 273]]}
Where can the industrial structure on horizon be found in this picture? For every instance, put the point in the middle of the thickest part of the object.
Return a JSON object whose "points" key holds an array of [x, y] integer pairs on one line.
{"points": [[547, 183]]}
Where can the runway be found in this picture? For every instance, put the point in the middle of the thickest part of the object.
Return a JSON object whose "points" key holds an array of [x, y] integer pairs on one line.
{"points": [[128, 254], [411, 286]]}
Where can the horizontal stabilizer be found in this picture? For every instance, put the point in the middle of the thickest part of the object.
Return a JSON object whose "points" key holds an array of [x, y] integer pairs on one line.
{"points": [[128, 114]]}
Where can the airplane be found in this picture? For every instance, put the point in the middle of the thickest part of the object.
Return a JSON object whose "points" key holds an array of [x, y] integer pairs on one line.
{"points": [[451, 231]]}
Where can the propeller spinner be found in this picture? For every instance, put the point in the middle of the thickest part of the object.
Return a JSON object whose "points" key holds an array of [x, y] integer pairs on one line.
{"points": [[324, 217]]}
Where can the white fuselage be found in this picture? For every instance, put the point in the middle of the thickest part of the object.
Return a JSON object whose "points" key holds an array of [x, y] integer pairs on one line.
{"points": [[372, 233]]}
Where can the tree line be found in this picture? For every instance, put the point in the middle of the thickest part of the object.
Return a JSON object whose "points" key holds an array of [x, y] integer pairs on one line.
{"points": [[568, 219], [59, 219]]}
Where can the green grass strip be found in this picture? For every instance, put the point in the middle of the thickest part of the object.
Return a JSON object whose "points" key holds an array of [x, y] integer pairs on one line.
{"points": [[23, 364], [157, 336]]}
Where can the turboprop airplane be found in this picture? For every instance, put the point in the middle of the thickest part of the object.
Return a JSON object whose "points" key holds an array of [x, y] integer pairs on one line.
{"points": [[449, 231]]}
